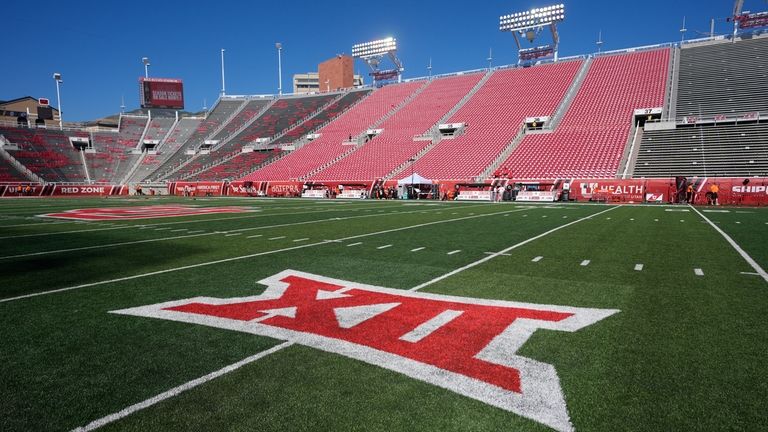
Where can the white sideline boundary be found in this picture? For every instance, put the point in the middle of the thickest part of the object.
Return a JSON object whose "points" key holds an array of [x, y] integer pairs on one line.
{"points": [[125, 412], [242, 257], [759, 270], [505, 251]]}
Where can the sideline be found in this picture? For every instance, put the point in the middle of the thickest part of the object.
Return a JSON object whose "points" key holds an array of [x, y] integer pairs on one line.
{"points": [[759, 270]]}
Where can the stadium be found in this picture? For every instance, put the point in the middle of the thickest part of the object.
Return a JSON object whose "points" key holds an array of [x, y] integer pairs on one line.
{"points": [[566, 243]]}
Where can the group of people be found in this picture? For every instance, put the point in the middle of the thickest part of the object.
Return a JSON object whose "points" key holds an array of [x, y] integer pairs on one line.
{"points": [[25, 190], [711, 195]]}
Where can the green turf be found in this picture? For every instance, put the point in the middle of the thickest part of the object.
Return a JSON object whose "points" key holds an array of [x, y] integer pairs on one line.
{"points": [[686, 352]]}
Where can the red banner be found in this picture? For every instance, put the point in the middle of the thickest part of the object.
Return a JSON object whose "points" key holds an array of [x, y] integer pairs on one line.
{"points": [[197, 188]]}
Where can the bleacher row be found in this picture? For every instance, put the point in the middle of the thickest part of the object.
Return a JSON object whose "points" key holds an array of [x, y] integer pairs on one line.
{"points": [[331, 136]]}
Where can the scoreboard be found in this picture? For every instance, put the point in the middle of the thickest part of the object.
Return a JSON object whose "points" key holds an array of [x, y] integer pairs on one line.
{"points": [[161, 93]]}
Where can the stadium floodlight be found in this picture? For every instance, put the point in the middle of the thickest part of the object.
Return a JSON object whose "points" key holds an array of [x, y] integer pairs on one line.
{"points": [[279, 47], [529, 24], [223, 87], [374, 51], [530, 20], [59, 81], [146, 62]]}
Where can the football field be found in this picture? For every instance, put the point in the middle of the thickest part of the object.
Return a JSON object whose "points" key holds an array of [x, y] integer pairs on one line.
{"points": [[293, 315]]}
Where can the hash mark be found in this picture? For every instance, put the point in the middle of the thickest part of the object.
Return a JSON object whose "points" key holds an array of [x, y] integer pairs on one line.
{"points": [[638, 267], [418, 249], [454, 252], [698, 272], [537, 259], [384, 247], [585, 263]]}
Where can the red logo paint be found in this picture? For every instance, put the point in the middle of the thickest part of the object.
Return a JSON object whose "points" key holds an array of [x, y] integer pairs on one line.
{"points": [[465, 345]]}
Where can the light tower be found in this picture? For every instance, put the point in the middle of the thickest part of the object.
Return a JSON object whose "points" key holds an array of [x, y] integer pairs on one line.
{"points": [[374, 52], [59, 81], [279, 47], [529, 25], [146, 62]]}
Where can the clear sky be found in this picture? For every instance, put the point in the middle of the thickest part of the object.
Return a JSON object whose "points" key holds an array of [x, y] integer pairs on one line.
{"points": [[97, 46]]}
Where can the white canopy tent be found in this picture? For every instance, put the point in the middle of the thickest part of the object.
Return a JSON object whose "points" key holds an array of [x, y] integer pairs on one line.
{"points": [[415, 179]]}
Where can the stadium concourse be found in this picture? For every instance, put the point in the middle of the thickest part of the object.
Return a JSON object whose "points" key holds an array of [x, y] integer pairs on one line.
{"points": [[457, 261]]}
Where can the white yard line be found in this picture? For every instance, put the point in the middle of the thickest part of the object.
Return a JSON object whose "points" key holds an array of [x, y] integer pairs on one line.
{"points": [[515, 246], [256, 236], [276, 238], [418, 249], [242, 257], [354, 244], [301, 240], [384, 247], [454, 252], [736, 246], [125, 412], [104, 246]]}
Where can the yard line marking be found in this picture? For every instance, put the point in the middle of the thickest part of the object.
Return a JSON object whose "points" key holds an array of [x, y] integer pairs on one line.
{"points": [[384, 247], [491, 253], [427, 328], [161, 229], [698, 272], [179, 230], [255, 236], [354, 244], [301, 239], [537, 259], [738, 248], [677, 210], [716, 211], [276, 238], [515, 246], [253, 255], [585, 263], [418, 249], [638, 267], [125, 412], [196, 231], [232, 234], [750, 273], [454, 252], [101, 246]]}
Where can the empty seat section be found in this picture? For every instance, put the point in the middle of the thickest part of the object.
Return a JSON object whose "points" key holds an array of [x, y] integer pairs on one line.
{"points": [[723, 78], [591, 139], [236, 167], [329, 113], [175, 139], [47, 153], [395, 145], [9, 173], [283, 114], [330, 145], [493, 117], [223, 110], [731, 150], [159, 127]]}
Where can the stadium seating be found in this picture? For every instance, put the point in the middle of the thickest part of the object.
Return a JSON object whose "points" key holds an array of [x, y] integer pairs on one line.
{"points": [[112, 159], [331, 145], [245, 115], [47, 153], [159, 127], [493, 117], [223, 110], [238, 166], [395, 145], [328, 114], [591, 139], [9, 173], [723, 78], [176, 138], [731, 150], [281, 115]]}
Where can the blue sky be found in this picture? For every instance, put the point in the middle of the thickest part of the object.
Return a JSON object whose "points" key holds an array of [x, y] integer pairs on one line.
{"points": [[97, 45]]}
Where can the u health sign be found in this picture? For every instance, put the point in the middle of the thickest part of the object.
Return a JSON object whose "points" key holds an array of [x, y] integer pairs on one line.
{"points": [[161, 93]]}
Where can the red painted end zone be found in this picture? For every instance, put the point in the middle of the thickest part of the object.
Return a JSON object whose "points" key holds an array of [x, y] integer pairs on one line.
{"points": [[142, 212]]}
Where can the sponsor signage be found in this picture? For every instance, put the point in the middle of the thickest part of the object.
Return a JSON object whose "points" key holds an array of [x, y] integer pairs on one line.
{"points": [[474, 195], [536, 196], [313, 193], [464, 345]]}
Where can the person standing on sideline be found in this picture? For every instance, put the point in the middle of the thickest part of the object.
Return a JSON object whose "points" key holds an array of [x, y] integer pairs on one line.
{"points": [[714, 189], [689, 194]]}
